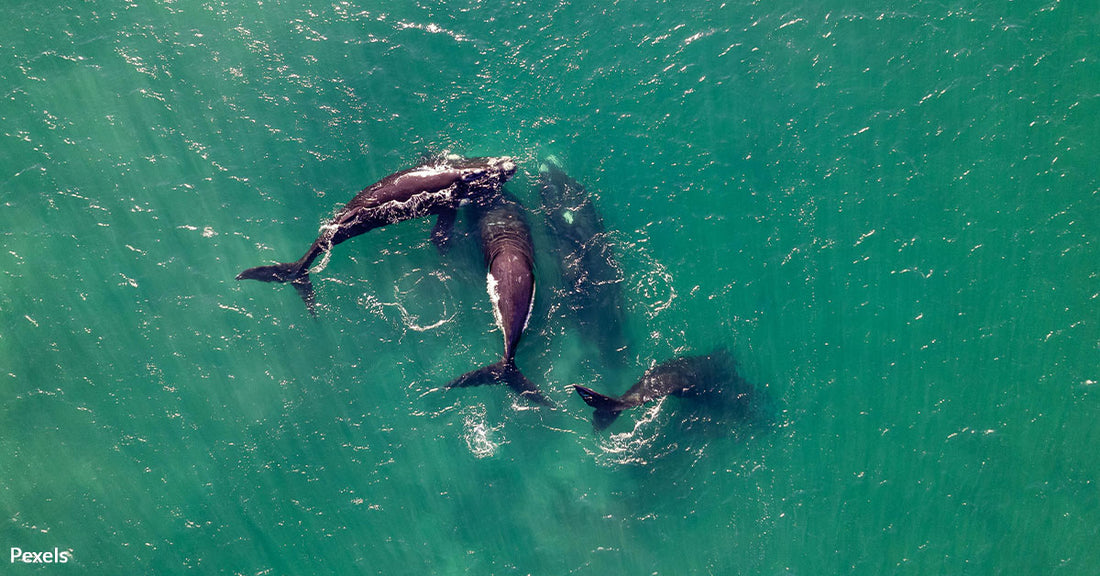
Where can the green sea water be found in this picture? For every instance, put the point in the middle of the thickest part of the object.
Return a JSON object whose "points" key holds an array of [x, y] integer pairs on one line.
{"points": [[887, 212]]}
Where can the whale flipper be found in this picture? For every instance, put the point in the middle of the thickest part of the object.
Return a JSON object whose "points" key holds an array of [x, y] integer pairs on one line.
{"points": [[444, 230], [502, 373]]}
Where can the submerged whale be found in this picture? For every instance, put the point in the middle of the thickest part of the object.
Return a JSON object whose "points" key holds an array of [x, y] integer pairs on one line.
{"points": [[712, 377], [435, 187], [510, 281], [591, 276]]}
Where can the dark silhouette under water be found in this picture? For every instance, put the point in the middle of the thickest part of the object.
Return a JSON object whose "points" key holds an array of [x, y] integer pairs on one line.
{"points": [[591, 276], [711, 379]]}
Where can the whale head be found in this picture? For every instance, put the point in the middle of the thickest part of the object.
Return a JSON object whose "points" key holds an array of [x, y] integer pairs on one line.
{"points": [[485, 172]]}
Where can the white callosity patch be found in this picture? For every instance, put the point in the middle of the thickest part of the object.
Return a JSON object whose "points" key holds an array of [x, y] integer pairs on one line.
{"points": [[416, 206], [530, 307], [425, 172], [491, 286], [327, 231]]}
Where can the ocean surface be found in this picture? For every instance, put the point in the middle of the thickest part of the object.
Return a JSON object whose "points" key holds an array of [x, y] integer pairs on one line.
{"points": [[887, 213]]}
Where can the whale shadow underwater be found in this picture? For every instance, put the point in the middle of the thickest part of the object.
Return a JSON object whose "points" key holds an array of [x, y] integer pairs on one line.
{"points": [[709, 385], [437, 186]]}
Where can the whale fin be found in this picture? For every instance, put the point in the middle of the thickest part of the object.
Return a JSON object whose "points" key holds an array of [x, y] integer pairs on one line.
{"points": [[597, 400], [281, 272], [503, 372], [285, 272], [607, 408], [304, 287], [444, 230]]}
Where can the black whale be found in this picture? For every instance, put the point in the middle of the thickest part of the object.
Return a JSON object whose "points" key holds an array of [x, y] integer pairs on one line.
{"points": [[509, 256], [713, 377], [436, 187], [591, 276]]}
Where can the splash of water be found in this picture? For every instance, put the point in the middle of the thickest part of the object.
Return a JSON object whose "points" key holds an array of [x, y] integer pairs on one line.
{"points": [[633, 447], [478, 434]]}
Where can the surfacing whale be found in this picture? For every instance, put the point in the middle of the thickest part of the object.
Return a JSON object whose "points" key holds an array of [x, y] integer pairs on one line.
{"points": [[435, 187], [509, 256], [711, 378]]}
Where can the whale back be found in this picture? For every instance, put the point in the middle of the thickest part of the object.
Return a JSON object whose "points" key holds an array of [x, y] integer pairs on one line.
{"points": [[456, 178], [509, 256]]}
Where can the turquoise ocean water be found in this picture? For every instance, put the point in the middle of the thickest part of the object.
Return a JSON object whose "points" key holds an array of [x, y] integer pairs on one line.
{"points": [[887, 212]]}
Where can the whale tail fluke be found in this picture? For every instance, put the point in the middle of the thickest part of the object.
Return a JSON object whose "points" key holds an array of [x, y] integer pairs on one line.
{"points": [[304, 287], [503, 372], [292, 272], [597, 400], [607, 408]]}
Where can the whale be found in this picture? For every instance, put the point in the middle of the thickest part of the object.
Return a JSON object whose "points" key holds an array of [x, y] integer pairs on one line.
{"points": [[510, 281], [436, 186], [591, 278], [700, 377]]}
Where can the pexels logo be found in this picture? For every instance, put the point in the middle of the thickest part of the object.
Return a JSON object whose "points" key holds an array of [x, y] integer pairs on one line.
{"points": [[54, 557]]}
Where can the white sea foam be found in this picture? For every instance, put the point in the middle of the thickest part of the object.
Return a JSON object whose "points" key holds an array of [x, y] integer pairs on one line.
{"points": [[478, 434]]}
